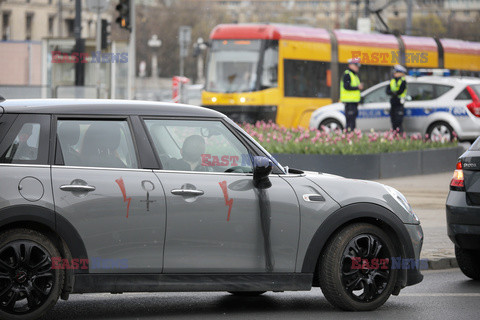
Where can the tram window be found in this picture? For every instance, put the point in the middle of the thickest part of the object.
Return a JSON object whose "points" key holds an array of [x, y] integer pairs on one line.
{"points": [[370, 75], [306, 79]]}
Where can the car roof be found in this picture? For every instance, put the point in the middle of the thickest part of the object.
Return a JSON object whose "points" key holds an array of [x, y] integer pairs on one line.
{"points": [[452, 80], [105, 107]]}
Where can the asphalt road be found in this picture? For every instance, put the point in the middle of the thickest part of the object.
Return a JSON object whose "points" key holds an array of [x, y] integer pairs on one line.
{"points": [[444, 294]]}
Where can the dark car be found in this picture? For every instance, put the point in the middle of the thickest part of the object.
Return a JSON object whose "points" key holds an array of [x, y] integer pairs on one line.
{"points": [[463, 211]]}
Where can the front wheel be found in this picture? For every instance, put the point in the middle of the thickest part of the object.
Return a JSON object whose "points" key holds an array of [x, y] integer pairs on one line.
{"points": [[29, 287], [330, 125], [469, 262], [355, 268]]}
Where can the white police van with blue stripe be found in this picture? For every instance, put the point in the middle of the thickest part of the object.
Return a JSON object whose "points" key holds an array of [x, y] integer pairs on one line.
{"points": [[437, 106]]}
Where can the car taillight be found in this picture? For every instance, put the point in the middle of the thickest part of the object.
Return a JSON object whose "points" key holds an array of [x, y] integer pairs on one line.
{"points": [[458, 180], [474, 106]]}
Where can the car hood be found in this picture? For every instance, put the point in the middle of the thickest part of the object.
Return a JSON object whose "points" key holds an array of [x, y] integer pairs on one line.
{"points": [[349, 191]]}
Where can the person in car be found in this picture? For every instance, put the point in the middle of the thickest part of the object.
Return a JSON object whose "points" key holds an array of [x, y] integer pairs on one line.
{"points": [[192, 149], [397, 90]]}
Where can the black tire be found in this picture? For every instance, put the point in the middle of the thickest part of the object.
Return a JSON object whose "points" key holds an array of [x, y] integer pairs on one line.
{"points": [[330, 124], [337, 272], [247, 293], [440, 129], [469, 262], [29, 287]]}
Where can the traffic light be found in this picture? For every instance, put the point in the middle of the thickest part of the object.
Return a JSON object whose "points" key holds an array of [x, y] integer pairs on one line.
{"points": [[123, 8], [105, 34]]}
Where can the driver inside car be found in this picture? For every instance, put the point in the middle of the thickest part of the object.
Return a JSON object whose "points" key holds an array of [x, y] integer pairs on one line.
{"points": [[192, 149]]}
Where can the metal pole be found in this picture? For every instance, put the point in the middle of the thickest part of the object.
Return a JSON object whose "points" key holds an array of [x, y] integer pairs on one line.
{"points": [[131, 52], [181, 66], [408, 30], [98, 44], [79, 47]]}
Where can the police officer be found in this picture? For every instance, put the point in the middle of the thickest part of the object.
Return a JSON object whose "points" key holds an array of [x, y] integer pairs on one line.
{"points": [[398, 91], [350, 87]]}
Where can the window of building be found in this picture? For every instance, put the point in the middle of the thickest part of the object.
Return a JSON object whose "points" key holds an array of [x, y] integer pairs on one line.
{"points": [[6, 26], [307, 79], [51, 21], [28, 26], [69, 24]]}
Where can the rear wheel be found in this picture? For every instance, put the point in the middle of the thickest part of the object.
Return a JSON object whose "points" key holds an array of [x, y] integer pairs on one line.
{"points": [[330, 125], [247, 293], [440, 131], [355, 268], [469, 262], [29, 287]]}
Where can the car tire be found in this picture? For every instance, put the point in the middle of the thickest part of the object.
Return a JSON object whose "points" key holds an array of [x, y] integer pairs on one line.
{"points": [[346, 286], [29, 287], [330, 124], [469, 262], [439, 130], [247, 293]]}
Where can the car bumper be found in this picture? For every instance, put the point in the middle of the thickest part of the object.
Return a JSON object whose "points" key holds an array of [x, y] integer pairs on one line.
{"points": [[463, 221], [415, 232]]}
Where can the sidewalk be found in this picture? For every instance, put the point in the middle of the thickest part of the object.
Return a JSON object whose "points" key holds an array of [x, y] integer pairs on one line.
{"points": [[427, 195]]}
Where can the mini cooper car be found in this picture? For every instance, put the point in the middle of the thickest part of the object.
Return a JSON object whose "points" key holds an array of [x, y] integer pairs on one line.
{"points": [[130, 196], [437, 106], [463, 211]]}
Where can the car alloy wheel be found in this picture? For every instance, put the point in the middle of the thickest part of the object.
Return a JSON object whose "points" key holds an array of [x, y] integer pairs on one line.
{"points": [[363, 282], [355, 269], [29, 286], [440, 131]]}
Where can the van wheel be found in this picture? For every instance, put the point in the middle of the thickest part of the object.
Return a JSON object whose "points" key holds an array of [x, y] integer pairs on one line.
{"points": [[355, 268], [469, 262], [330, 125], [29, 287], [247, 293], [440, 131]]}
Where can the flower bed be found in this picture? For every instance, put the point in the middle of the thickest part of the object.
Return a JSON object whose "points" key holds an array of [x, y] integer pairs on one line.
{"points": [[277, 139]]}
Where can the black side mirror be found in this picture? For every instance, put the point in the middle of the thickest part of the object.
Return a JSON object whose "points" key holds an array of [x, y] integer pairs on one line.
{"points": [[262, 167], [362, 100]]}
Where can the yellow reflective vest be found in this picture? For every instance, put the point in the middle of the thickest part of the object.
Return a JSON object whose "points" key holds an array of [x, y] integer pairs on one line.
{"points": [[350, 95], [395, 86]]}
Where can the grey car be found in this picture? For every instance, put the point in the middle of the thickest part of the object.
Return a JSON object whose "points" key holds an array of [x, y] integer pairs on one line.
{"points": [[131, 196]]}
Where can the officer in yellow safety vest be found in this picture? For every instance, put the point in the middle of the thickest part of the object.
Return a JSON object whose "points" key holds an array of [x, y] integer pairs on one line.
{"points": [[350, 87], [397, 90]]}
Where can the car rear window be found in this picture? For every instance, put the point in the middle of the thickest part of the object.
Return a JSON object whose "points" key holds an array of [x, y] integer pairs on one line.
{"points": [[476, 88]]}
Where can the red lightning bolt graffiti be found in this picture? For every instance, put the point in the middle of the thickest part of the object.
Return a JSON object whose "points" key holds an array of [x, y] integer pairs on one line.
{"points": [[121, 184], [228, 202]]}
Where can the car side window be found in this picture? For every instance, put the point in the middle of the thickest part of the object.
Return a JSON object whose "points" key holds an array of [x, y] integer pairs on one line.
{"points": [[441, 89], [377, 95], [421, 91], [464, 95], [204, 146], [27, 141], [96, 143]]}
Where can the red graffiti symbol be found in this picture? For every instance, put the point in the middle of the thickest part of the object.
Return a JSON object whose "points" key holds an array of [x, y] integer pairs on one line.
{"points": [[121, 184], [228, 202]]}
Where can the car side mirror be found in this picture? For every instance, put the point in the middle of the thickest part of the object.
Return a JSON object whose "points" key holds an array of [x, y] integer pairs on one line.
{"points": [[262, 167], [362, 100]]}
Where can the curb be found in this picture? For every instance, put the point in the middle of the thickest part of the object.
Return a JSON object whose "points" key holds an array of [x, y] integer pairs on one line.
{"points": [[442, 263]]}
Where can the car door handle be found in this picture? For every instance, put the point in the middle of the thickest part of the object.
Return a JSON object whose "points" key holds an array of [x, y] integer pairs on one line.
{"points": [[77, 188], [187, 192]]}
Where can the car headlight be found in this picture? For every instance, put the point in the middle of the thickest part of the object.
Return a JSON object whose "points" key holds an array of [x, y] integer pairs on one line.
{"points": [[400, 198]]}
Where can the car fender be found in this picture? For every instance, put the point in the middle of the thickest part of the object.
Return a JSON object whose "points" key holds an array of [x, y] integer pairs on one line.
{"points": [[49, 219], [441, 116]]}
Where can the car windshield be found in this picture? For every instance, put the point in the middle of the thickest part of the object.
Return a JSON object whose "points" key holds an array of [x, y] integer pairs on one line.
{"points": [[233, 65]]}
